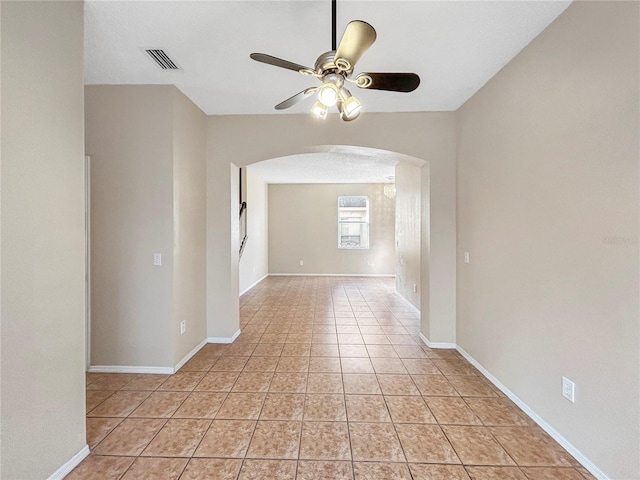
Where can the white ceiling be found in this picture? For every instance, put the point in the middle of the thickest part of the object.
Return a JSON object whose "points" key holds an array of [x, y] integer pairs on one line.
{"points": [[455, 47]]}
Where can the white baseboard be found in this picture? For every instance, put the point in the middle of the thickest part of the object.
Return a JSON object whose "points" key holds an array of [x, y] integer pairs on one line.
{"points": [[415, 309], [332, 275], [253, 285], [586, 463], [436, 344], [224, 339], [72, 463], [129, 369], [188, 356]]}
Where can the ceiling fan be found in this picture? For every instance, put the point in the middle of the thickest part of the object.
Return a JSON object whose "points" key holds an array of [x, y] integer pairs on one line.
{"points": [[335, 69]]}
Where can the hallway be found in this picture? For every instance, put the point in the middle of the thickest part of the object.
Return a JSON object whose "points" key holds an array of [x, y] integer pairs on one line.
{"points": [[328, 381]]}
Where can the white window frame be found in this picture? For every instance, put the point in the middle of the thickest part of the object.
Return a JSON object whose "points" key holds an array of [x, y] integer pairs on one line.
{"points": [[365, 223]]}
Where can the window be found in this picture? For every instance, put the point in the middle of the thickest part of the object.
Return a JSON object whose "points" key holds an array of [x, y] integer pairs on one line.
{"points": [[353, 222]]}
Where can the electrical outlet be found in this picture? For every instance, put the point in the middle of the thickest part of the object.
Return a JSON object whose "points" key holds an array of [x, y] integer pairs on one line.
{"points": [[183, 327], [466, 257], [370, 263], [301, 262], [568, 389], [415, 288], [157, 259]]}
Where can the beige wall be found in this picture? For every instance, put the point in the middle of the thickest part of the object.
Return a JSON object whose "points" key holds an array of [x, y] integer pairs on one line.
{"points": [[303, 226], [42, 257], [408, 231], [189, 224], [129, 133], [147, 147], [246, 139], [254, 263], [548, 175]]}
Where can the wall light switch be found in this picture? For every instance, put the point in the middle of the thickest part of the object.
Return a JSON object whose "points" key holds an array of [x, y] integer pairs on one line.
{"points": [[466, 257], [301, 262], [157, 259]]}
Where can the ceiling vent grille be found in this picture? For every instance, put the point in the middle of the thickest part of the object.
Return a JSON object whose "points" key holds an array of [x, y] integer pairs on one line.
{"points": [[162, 59]]}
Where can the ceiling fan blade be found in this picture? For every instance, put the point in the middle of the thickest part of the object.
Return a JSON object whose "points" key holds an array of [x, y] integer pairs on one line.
{"points": [[289, 102], [278, 62], [395, 82], [357, 38]]}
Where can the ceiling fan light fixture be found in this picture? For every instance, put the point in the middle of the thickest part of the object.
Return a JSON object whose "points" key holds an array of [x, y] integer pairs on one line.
{"points": [[328, 94], [320, 110], [350, 106]]}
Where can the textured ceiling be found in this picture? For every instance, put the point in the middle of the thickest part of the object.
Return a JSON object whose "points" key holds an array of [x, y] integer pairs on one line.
{"points": [[333, 164], [455, 47]]}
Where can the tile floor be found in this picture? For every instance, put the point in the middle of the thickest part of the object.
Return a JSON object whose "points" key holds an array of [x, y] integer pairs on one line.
{"points": [[328, 381]]}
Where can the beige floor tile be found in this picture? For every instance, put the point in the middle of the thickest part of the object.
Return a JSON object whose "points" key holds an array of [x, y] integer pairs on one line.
{"points": [[529, 446], [324, 350], [96, 397], [130, 437], [182, 381], [356, 365], [409, 409], [198, 364], [476, 446], [397, 385], [160, 405], [420, 366], [109, 381], [324, 383], [293, 364], [471, 386], [120, 404], [551, 473], [296, 350], [452, 411], [325, 407], [381, 351], [288, 383], [156, 469], [409, 351], [454, 367], [353, 351], [366, 383], [217, 382], [212, 469], [367, 408], [253, 381], [98, 428], [324, 470], [283, 406], [201, 405], [240, 349], [375, 442], [261, 364], [178, 438], [325, 441], [434, 385], [275, 439], [226, 439], [95, 467], [495, 473], [268, 350], [241, 406], [497, 412], [147, 381], [388, 365], [423, 471], [268, 469], [425, 444], [230, 364], [381, 471], [324, 365]]}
